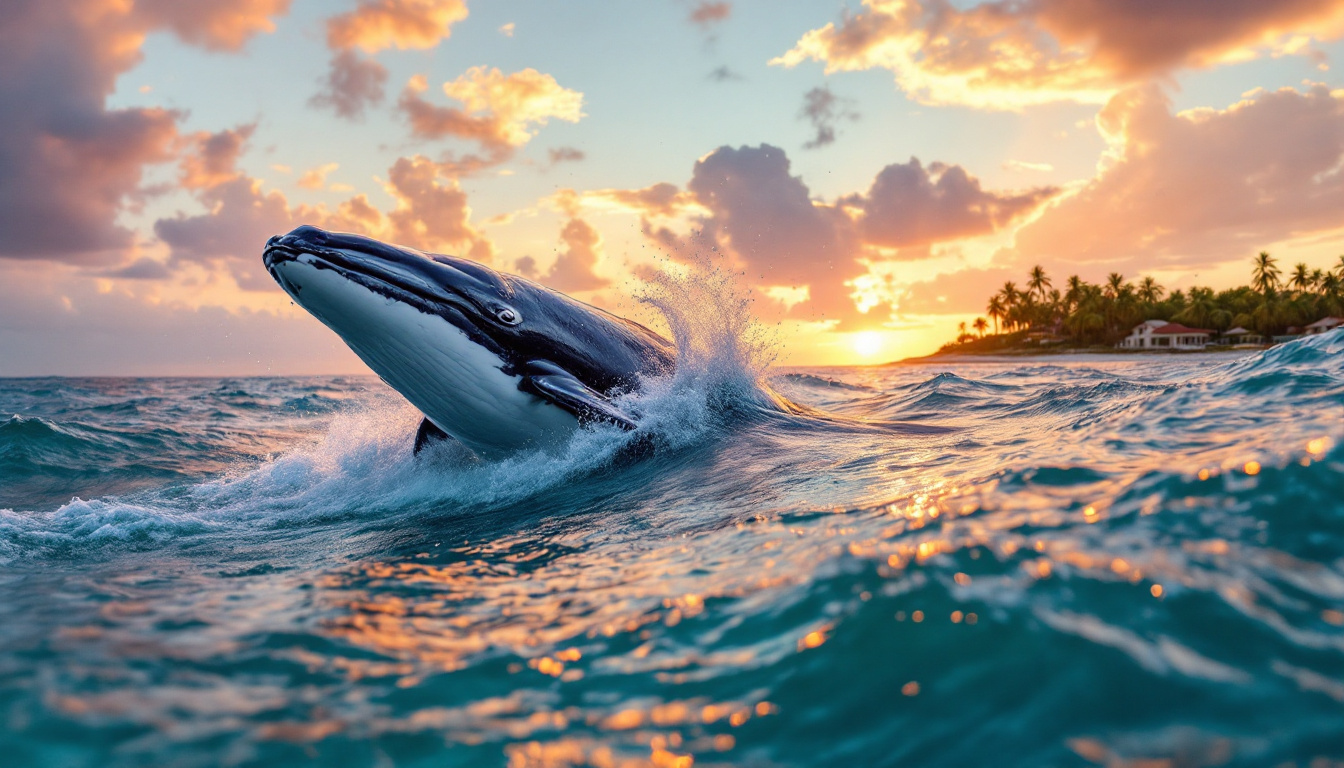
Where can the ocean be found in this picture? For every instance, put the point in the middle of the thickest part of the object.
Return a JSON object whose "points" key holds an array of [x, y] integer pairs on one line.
{"points": [[1123, 561]]}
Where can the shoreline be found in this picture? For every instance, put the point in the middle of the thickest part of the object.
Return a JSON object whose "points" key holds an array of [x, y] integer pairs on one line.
{"points": [[1065, 355]]}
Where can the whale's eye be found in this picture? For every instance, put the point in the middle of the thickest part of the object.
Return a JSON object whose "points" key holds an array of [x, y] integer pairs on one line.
{"points": [[508, 316]]}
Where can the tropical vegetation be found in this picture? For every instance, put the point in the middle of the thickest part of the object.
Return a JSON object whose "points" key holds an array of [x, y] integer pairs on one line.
{"points": [[1079, 313]]}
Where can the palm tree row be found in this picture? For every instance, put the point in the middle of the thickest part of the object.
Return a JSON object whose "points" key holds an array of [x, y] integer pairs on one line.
{"points": [[1087, 313]]}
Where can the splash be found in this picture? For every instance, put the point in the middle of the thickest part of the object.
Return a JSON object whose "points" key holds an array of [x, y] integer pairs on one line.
{"points": [[723, 350]]}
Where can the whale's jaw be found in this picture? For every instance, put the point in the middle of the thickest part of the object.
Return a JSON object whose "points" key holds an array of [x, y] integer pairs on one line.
{"points": [[459, 384]]}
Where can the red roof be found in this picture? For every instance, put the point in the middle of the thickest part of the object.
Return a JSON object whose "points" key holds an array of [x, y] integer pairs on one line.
{"points": [[1176, 329]]}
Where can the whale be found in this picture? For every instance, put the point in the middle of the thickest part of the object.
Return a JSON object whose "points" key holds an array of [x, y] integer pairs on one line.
{"points": [[493, 361]]}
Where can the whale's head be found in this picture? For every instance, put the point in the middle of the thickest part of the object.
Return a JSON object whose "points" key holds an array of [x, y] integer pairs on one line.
{"points": [[453, 335], [332, 274]]}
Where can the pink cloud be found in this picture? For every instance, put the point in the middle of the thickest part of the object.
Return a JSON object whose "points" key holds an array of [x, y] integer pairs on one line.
{"points": [[69, 165], [431, 212], [1200, 187], [573, 270], [707, 13], [352, 85], [221, 26], [909, 205]]}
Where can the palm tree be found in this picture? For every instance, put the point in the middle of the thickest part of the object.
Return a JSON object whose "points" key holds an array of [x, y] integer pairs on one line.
{"points": [[1115, 283], [1011, 308], [1265, 273], [1150, 292], [980, 325], [1301, 278], [995, 310], [1074, 294], [1038, 281]]}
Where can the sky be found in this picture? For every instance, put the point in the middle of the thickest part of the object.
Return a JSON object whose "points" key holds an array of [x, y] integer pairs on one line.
{"points": [[873, 170]]}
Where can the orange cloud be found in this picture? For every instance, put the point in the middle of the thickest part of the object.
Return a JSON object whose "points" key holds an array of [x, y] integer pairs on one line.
{"points": [[515, 103], [662, 199], [377, 25], [354, 83], [500, 112], [432, 212], [316, 178], [1008, 54]]}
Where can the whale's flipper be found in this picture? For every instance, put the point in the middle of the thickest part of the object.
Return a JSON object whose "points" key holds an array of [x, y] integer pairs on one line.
{"points": [[428, 435], [556, 385]]}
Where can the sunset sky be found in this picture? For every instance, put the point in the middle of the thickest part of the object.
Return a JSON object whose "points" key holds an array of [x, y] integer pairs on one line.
{"points": [[874, 169]]}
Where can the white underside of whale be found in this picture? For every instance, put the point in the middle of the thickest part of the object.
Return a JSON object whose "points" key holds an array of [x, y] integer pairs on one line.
{"points": [[455, 382]]}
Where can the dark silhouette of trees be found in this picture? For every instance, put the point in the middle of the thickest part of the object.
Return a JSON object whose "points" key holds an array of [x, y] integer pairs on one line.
{"points": [[1086, 313]]}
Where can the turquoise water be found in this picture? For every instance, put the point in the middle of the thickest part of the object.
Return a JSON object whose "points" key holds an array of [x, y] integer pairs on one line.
{"points": [[1031, 564]]}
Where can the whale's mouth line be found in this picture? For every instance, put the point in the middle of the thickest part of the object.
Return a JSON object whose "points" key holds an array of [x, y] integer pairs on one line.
{"points": [[444, 304], [364, 273]]}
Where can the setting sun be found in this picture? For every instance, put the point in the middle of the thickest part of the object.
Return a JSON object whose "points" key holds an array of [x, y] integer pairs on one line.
{"points": [[868, 343]]}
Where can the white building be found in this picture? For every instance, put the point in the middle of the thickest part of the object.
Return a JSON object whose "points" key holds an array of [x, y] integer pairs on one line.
{"points": [[1160, 334], [1240, 335], [1325, 324]]}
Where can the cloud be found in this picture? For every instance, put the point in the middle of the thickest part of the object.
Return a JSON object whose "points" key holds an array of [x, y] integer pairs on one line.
{"points": [[507, 29], [68, 164], [811, 258], [56, 321], [143, 268], [955, 293], [1023, 165], [1199, 187], [662, 199], [909, 205], [822, 108], [211, 24], [708, 13], [376, 25], [573, 270], [723, 74], [767, 219], [431, 212], [1008, 54], [499, 112], [211, 159], [316, 178], [352, 85], [558, 155]]}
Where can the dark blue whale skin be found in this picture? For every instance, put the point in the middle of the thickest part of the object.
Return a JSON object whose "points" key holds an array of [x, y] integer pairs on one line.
{"points": [[569, 353]]}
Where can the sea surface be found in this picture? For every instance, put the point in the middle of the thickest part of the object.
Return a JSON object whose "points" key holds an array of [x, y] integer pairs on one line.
{"points": [[1135, 561]]}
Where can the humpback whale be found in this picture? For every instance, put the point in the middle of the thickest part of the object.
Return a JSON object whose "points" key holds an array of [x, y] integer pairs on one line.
{"points": [[494, 361]]}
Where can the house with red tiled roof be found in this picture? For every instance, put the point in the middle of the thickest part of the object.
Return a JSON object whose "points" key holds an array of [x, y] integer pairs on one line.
{"points": [[1161, 334]]}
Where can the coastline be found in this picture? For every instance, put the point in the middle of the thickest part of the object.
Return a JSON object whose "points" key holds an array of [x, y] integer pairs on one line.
{"points": [[1066, 356]]}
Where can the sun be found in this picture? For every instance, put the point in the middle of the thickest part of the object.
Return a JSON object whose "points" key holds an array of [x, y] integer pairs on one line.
{"points": [[867, 343]]}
